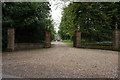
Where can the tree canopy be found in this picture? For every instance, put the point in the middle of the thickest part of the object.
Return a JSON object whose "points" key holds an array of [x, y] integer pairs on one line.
{"points": [[96, 19]]}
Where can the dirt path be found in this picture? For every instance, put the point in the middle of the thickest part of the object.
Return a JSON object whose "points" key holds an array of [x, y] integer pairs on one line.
{"points": [[61, 61]]}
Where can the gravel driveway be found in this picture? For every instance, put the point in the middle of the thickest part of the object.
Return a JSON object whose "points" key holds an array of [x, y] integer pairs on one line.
{"points": [[61, 61]]}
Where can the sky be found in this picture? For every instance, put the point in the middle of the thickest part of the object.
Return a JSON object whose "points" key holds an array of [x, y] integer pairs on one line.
{"points": [[56, 11]]}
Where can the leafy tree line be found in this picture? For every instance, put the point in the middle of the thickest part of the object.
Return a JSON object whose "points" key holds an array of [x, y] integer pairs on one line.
{"points": [[30, 19], [96, 19]]}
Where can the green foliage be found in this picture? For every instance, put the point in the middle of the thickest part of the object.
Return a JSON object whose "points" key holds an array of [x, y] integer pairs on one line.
{"points": [[118, 49], [96, 20]]}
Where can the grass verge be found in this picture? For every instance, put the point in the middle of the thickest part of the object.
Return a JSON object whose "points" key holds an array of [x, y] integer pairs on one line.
{"points": [[68, 42]]}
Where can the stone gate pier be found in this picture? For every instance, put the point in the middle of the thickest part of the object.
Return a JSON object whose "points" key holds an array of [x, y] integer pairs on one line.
{"points": [[116, 39], [77, 39], [47, 39], [11, 39]]}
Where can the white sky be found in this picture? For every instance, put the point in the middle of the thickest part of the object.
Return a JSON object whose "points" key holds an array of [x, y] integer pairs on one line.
{"points": [[57, 8]]}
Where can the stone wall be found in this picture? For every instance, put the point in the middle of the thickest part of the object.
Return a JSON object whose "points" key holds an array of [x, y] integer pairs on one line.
{"points": [[11, 45], [96, 46], [23, 46]]}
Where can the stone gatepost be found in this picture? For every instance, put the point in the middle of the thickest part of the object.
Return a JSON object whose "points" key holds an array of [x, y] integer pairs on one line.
{"points": [[10, 38], [77, 39], [47, 39], [116, 39]]}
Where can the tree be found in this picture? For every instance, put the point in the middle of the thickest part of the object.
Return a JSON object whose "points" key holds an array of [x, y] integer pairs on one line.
{"points": [[30, 19]]}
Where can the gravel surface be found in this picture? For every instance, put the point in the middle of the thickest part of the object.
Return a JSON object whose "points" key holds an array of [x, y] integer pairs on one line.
{"points": [[61, 61]]}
